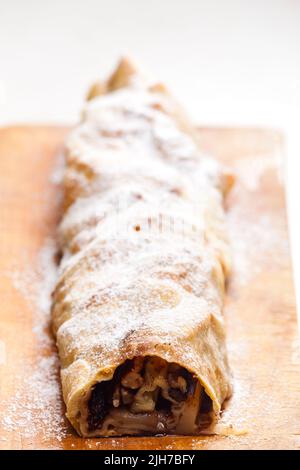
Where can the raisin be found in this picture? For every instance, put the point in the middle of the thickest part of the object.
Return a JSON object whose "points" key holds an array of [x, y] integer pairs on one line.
{"points": [[98, 405]]}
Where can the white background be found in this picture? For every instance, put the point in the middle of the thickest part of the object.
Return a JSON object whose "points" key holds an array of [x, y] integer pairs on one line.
{"points": [[231, 62]]}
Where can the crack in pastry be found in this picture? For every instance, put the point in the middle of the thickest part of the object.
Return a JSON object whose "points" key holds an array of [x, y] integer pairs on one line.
{"points": [[138, 305]]}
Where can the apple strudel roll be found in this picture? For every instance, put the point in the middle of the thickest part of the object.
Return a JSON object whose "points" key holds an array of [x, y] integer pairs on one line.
{"points": [[137, 309]]}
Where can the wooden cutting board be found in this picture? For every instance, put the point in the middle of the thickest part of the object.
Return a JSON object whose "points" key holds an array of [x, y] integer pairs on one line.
{"points": [[263, 342]]}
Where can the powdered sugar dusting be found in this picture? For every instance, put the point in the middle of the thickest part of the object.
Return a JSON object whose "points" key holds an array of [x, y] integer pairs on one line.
{"points": [[254, 236], [36, 409], [251, 170]]}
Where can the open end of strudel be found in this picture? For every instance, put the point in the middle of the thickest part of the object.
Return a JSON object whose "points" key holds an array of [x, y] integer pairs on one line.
{"points": [[146, 395]]}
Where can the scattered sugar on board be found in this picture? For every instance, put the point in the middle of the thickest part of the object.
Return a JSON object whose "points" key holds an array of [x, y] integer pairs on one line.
{"points": [[36, 409], [251, 170], [254, 238]]}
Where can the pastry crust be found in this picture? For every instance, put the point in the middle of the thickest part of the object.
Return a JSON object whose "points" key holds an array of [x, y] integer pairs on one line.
{"points": [[145, 254]]}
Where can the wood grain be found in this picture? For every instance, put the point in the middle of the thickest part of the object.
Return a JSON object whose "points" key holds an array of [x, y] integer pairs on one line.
{"points": [[263, 343]]}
